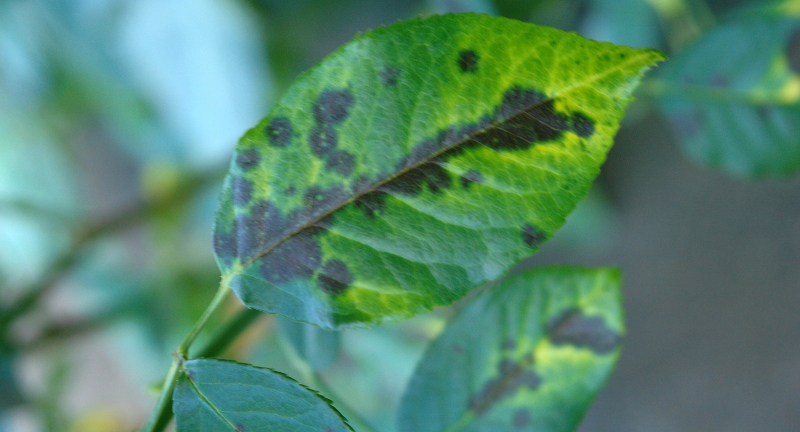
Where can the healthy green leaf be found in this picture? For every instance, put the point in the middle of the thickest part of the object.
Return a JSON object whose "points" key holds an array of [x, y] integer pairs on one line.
{"points": [[734, 95], [547, 341], [315, 346], [219, 395], [417, 162]]}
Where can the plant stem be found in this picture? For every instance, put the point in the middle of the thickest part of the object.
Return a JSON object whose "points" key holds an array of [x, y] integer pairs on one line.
{"points": [[162, 413], [183, 193]]}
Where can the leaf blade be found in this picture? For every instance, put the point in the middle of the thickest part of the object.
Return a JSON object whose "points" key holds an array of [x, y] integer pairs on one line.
{"points": [[218, 395], [549, 339], [415, 163]]}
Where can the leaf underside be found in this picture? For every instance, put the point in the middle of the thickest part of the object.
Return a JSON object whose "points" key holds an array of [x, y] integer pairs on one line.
{"points": [[225, 396], [734, 96], [548, 340], [416, 163]]}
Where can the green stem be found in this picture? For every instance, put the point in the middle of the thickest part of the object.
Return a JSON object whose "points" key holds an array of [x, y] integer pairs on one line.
{"points": [[162, 413]]}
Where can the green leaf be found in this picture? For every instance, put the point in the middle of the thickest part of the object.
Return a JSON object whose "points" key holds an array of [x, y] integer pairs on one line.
{"points": [[417, 162], [548, 341], [734, 95], [315, 346], [219, 395]]}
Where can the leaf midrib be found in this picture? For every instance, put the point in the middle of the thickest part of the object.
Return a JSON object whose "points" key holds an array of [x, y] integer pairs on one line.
{"points": [[425, 160]]}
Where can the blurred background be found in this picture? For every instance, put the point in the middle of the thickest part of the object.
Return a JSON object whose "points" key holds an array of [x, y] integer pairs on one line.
{"points": [[118, 119]]}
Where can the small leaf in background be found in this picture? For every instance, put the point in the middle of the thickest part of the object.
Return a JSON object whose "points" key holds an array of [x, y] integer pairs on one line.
{"points": [[548, 339], [416, 163], [733, 97], [218, 395], [315, 346]]}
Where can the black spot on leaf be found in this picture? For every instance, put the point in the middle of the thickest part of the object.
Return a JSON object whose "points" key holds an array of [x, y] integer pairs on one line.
{"points": [[371, 204], [297, 258], [521, 418], [248, 159], [510, 377], [571, 327], [335, 277], [333, 106], [242, 191], [468, 61], [582, 125], [412, 182], [341, 161], [323, 140], [239, 427], [469, 177], [279, 132], [532, 236], [389, 75], [793, 50], [225, 246]]}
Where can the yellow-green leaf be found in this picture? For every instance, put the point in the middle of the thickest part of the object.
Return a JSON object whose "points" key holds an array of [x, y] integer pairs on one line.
{"points": [[417, 162]]}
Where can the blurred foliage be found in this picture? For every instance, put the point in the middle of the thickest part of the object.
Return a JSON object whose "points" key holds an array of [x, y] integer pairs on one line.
{"points": [[117, 119]]}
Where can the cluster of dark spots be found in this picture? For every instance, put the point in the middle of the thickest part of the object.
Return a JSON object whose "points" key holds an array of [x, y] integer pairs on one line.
{"points": [[793, 50], [371, 204], [531, 236], [335, 277], [279, 131], [469, 177], [296, 258], [468, 61], [317, 200], [413, 181], [242, 191], [330, 110], [582, 125], [571, 327], [511, 376], [225, 245], [389, 75], [521, 418], [248, 159]]}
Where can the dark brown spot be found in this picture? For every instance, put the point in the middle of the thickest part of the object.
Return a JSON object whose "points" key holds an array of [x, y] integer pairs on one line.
{"points": [[412, 182], [521, 418], [279, 132], [371, 204], [469, 177], [468, 61], [571, 327], [248, 159], [333, 106], [532, 236], [323, 140], [242, 191], [582, 125], [335, 277], [793, 51], [342, 162], [389, 75], [511, 376], [297, 258]]}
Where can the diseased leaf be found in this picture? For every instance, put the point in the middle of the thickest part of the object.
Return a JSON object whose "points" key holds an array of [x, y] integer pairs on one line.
{"points": [[548, 341], [417, 162], [734, 96], [219, 395], [315, 346]]}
